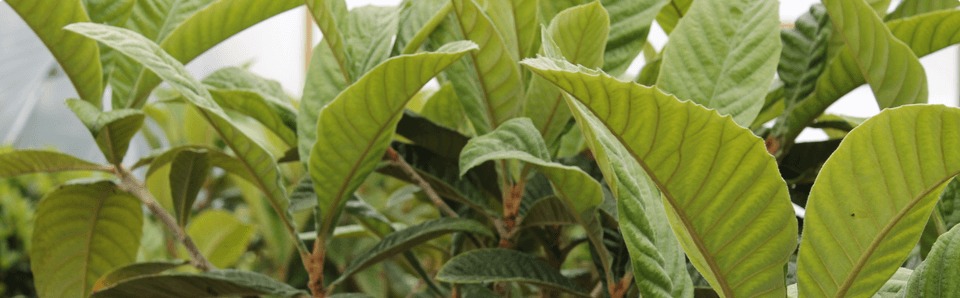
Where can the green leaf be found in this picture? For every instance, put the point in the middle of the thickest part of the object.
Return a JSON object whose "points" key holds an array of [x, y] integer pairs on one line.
{"points": [[214, 157], [208, 284], [369, 33], [112, 130], [323, 83], [804, 53], [418, 18], [579, 34], [438, 139], [348, 148], [889, 65], [134, 270], [630, 22], [256, 161], [188, 173], [909, 8], [82, 232], [950, 204], [925, 34], [548, 211], [220, 236], [851, 246], [110, 12], [732, 76], [671, 14], [261, 99], [892, 288], [79, 57], [707, 209], [938, 275], [500, 95], [403, 240], [501, 265], [328, 14], [443, 108], [22, 162], [517, 23]]}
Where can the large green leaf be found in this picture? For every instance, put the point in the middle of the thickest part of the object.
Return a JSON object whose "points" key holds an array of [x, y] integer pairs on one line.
{"points": [[500, 265], [924, 33], [82, 232], [112, 130], [939, 274], [256, 161], [500, 92], [324, 82], [579, 34], [403, 240], [21, 162], [908, 8], [856, 234], [889, 65], [79, 57], [804, 53], [722, 219], [517, 22], [348, 147], [208, 284], [188, 173], [259, 98], [220, 236], [724, 61], [630, 22]]}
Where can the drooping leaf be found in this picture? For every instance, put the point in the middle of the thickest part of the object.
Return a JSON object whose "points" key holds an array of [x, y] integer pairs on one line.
{"points": [[134, 270], [909, 8], [21, 162], [112, 130], [925, 34], [731, 76], [888, 64], [405, 239], [82, 232], [804, 53], [851, 246], [630, 22], [709, 210], [256, 161], [348, 148], [500, 91], [500, 265], [323, 83], [188, 173], [671, 14], [939, 274], [208, 284], [79, 57], [579, 34], [220, 236]]}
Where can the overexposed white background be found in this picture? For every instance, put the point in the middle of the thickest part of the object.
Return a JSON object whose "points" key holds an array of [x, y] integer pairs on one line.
{"points": [[32, 113]]}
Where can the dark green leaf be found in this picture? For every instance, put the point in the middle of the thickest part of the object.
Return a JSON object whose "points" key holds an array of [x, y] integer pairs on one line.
{"points": [[208, 284], [500, 265], [804, 53], [630, 22], [939, 274], [188, 173]]}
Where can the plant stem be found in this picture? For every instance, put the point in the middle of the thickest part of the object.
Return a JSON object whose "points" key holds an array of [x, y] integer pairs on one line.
{"points": [[130, 184]]}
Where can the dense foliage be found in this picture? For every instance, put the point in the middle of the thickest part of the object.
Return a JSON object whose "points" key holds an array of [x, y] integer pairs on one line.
{"points": [[534, 165]]}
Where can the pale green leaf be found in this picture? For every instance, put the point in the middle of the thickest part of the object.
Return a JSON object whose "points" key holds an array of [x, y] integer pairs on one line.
{"points": [[939, 274], [330, 15], [851, 246], [112, 130], [716, 215], [671, 14], [888, 64], [500, 265], [731, 76], [218, 283], [220, 236], [82, 232], [804, 53], [403, 240], [256, 97], [418, 18], [110, 12], [443, 108], [908, 8], [134, 270], [349, 147], [517, 23], [79, 57], [369, 33], [21, 162], [892, 288], [324, 82], [188, 173], [630, 22], [500, 95]]}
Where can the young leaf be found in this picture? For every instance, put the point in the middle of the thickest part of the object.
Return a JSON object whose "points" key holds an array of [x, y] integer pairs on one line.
{"points": [[348, 148], [851, 246], [629, 26], [82, 232], [804, 53], [500, 265], [79, 57], [112, 130], [404, 240], [909, 8], [724, 61], [134, 270], [892, 69], [259, 98], [938, 275], [709, 208], [208, 284], [22, 162], [220, 236], [501, 92], [188, 172]]}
